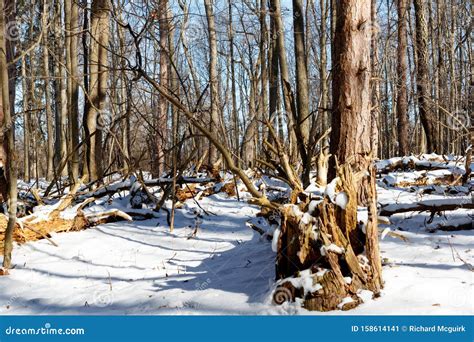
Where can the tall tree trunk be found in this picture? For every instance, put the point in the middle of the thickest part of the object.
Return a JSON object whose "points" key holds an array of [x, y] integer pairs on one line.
{"points": [[302, 96], [213, 77], [323, 68], [162, 113], [351, 117], [47, 101], [95, 115], [289, 105], [8, 179], [427, 117], [402, 69], [375, 82], [71, 25], [60, 96], [26, 122], [264, 54], [125, 100], [234, 115], [273, 115]]}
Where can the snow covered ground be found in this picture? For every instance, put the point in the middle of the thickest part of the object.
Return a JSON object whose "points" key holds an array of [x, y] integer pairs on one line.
{"points": [[225, 268]]}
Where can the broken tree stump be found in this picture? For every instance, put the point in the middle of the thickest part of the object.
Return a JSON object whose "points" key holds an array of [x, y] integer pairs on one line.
{"points": [[324, 258]]}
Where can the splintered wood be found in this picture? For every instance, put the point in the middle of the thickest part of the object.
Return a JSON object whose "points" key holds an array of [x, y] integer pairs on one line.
{"points": [[329, 244], [34, 227], [30, 230]]}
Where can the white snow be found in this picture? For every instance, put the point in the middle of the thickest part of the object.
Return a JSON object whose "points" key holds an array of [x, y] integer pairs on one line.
{"points": [[346, 300], [141, 267], [341, 200], [331, 248], [365, 295], [276, 236], [313, 205], [304, 281], [330, 191], [307, 219]]}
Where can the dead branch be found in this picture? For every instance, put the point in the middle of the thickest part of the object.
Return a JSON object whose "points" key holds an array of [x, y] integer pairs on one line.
{"points": [[434, 207]]}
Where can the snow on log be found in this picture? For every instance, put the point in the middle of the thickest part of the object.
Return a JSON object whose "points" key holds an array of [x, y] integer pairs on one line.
{"points": [[425, 162], [434, 205]]}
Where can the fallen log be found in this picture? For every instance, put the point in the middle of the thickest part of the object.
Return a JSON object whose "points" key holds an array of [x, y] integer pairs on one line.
{"points": [[33, 227], [429, 205], [125, 185], [413, 163], [456, 227]]}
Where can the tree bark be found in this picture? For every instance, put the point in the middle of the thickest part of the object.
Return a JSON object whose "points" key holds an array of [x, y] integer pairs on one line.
{"points": [[60, 95], [302, 96], [47, 101], [402, 68], [95, 115], [235, 115], [351, 117], [323, 68], [71, 24], [26, 122], [375, 82], [289, 105], [213, 77], [8, 179], [422, 80], [162, 113]]}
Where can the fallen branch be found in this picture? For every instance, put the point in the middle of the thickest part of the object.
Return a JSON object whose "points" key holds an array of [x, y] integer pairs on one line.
{"points": [[460, 226], [429, 205]]}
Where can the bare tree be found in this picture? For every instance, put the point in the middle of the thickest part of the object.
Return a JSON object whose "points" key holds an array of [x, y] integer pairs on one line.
{"points": [[8, 179], [302, 97], [402, 69], [213, 77], [95, 115], [422, 77], [350, 138], [71, 21]]}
